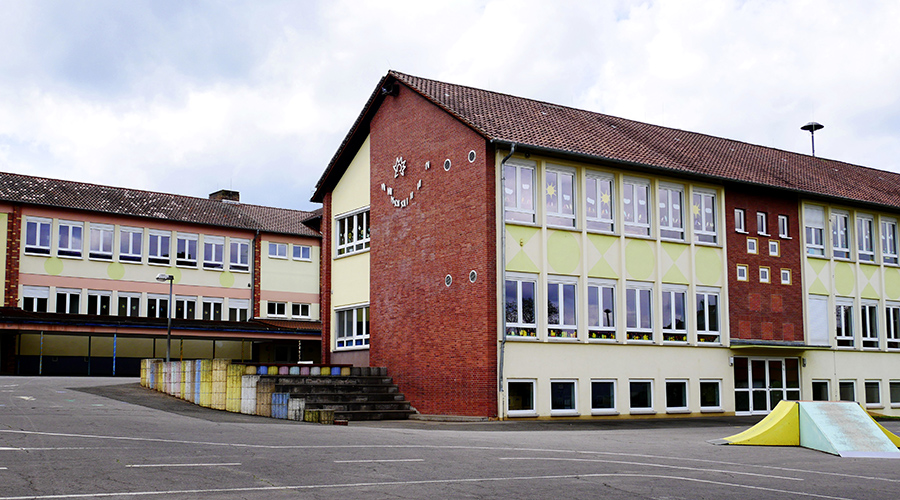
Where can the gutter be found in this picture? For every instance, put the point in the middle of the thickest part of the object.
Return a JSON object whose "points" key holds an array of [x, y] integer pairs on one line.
{"points": [[503, 277]]}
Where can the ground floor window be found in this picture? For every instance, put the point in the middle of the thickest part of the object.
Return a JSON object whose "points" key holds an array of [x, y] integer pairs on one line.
{"points": [[352, 327], [895, 393], [603, 396], [520, 398], [760, 383], [873, 393], [563, 397], [847, 390], [641, 396], [677, 396], [35, 298], [820, 390], [710, 395]]}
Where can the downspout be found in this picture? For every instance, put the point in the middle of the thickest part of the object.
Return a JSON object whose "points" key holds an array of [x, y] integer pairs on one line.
{"points": [[512, 150]]}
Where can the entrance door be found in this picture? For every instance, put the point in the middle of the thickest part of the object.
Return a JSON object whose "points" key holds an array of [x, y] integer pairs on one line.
{"points": [[760, 383]]}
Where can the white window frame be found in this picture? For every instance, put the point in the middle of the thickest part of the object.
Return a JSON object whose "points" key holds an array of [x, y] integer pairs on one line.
{"points": [[64, 298], [604, 411], [784, 227], [852, 384], [208, 308], [765, 274], [66, 232], [706, 334], [762, 224], [597, 313], [348, 241], [671, 215], [743, 272], [865, 237], [889, 240], [355, 339], [562, 329], [740, 220], [521, 329], [774, 248], [785, 276], [517, 189], [752, 246], [163, 254], [278, 250], [279, 307], [565, 412], [130, 300], [190, 243], [158, 300], [840, 234], [868, 315], [213, 252], [843, 310], [101, 296], [684, 408], [892, 325], [36, 299], [710, 409], [304, 251], [814, 234], [522, 413], [239, 255], [561, 216], [102, 241], [673, 334], [827, 383], [131, 241], [631, 210], [706, 227], [643, 302], [873, 404], [297, 310], [895, 401], [183, 301], [604, 223], [38, 235], [236, 307], [638, 410]]}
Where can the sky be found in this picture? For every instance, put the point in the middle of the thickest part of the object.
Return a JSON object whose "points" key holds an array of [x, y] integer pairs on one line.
{"points": [[190, 97]]}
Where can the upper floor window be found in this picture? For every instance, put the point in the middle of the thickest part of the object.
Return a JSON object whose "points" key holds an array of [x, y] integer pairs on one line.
{"points": [[892, 325], [277, 250], [674, 315], [35, 298], [238, 309], [276, 309], [783, 226], [160, 247], [71, 242], [302, 252], [814, 220], [353, 233], [865, 237], [101, 242], [213, 253], [762, 223], [600, 202], [740, 220], [37, 236], [704, 208], [671, 211], [562, 308], [130, 244], [521, 299], [300, 311], [840, 235], [602, 310], [889, 241], [869, 319], [518, 192], [635, 206], [560, 191], [186, 249], [239, 255], [707, 316], [638, 311], [68, 301], [844, 324]]}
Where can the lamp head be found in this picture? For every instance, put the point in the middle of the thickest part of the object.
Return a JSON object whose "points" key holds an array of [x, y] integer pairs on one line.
{"points": [[161, 277]]}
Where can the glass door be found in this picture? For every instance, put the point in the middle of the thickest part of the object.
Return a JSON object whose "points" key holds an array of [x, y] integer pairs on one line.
{"points": [[760, 383]]}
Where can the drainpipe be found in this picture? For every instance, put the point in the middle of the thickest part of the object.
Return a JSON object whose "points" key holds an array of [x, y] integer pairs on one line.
{"points": [[512, 150]]}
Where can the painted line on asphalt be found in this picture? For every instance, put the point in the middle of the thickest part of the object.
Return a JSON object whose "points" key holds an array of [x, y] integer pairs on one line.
{"points": [[417, 482], [63, 448], [231, 464], [375, 461], [663, 466]]}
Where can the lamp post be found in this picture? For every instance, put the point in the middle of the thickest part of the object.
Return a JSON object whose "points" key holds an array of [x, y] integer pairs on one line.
{"points": [[171, 279]]}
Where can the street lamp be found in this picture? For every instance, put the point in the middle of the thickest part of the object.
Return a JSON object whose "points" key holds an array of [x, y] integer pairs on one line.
{"points": [[162, 278]]}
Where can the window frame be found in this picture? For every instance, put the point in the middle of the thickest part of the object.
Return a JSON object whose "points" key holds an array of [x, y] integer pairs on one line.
{"points": [[865, 237], [37, 241], [714, 337], [101, 235], [131, 302], [892, 325], [518, 212], [851, 383], [273, 305], [740, 221], [843, 311], [869, 331], [37, 296], [70, 251], [213, 253], [605, 313], [135, 238], [209, 310], [827, 383], [185, 307], [239, 255], [354, 222], [163, 254], [599, 222], [718, 408], [673, 227], [841, 243], [299, 306], [635, 227], [564, 412], [66, 294], [784, 227], [894, 393], [774, 248], [597, 410], [814, 229], [707, 216], [639, 410], [532, 412], [301, 248], [786, 278], [236, 307], [559, 217], [154, 301], [189, 257], [752, 246], [684, 408], [889, 254], [637, 332], [879, 403], [762, 223], [278, 250], [521, 329], [742, 272], [355, 339], [562, 329], [765, 274], [673, 334], [99, 297]]}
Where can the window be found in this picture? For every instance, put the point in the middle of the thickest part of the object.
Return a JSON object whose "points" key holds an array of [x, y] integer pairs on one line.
{"points": [[892, 326], [783, 226], [276, 309], [840, 235], [873, 394], [674, 317], [742, 272], [847, 390], [600, 199], [562, 397], [302, 252], [239, 255], [844, 324], [160, 247], [774, 248], [601, 310], [212, 308], [704, 208], [641, 396], [213, 252], [865, 237], [518, 191], [71, 242], [185, 308], [762, 227], [677, 396], [740, 220], [889, 241], [752, 245], [129, 304], [68, 301], [520, 306], [99, 302], [561, 308], [101, 242], [521, 398], [764, 274], [820, 390], [818, 332], [814, 218], [130, 244], [300, 310], [710, 395], [157, 306], [560, 191], [277, 250], [352, 327], [186, 251], [671, 211], [37, 236], [895, 393], [869, 317], [785, 276], [238, 309], [353, 233], [35, 298], [708, 317], [638, 312], [603, 396], [635, 207]]}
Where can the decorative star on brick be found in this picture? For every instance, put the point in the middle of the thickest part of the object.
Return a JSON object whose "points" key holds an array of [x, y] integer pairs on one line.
{"points": [[399, 167]]}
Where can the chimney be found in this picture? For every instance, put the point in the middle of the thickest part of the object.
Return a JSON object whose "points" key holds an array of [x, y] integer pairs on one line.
{"points": [[226, 195]]}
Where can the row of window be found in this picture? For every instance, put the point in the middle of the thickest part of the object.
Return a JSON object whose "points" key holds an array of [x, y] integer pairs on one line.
{"points": [[872, 396], [603, 212], [868, 319], [843, 235], [765, 274], [678, 314], [604, 399], [762, 223], [159, 246], [106, 302]]}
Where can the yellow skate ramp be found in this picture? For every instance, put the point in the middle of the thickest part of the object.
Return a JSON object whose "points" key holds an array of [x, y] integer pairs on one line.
{"points": [[781, 427]]}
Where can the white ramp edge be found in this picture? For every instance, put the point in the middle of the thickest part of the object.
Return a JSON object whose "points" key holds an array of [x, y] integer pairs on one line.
{"points": [[844, 429]]}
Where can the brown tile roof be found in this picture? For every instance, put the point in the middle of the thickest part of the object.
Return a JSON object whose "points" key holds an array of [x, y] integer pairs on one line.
{"points": [[540, 126], [17, 188]]}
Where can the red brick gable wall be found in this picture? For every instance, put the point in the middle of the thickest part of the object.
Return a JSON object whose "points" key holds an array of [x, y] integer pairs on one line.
{"points": [[325, 278], [764, 311], [438, 342], [13, 254]]}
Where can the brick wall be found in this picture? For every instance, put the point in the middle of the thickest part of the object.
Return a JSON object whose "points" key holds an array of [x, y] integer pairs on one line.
{"points": [[13, 254], [764, 311], [438, 342], [325, 278]]}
